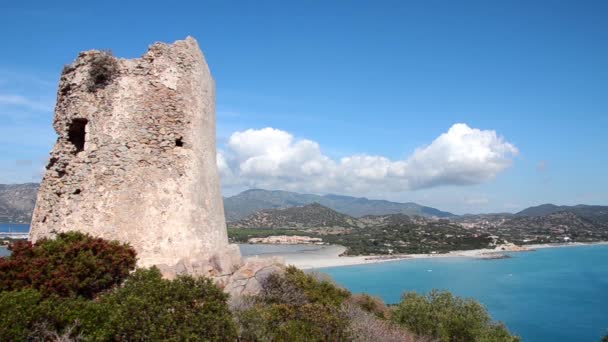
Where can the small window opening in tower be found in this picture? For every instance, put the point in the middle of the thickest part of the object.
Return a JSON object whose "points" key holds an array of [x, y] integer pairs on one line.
{"points": [[179, 142], [77, 133]]}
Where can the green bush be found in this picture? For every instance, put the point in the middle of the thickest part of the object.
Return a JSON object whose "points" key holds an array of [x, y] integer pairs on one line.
{"points": [[27, 315], [146, 308], [321, 291], [448, 318], [294, 306], [19, 311], [72, 264], [605, 338], [150, 308]]}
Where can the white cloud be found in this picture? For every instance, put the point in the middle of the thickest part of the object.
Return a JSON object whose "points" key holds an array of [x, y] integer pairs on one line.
{"points": [[274, 159]]}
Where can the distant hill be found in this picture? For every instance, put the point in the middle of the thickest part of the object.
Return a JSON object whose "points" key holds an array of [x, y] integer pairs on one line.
{"points": [[248, 202], [308, 216], [318, 216], [17, 202], [556, 220], [596, 213]]}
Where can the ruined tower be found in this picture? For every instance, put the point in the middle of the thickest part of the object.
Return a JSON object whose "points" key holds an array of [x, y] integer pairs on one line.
{"points": [[136, 159]]}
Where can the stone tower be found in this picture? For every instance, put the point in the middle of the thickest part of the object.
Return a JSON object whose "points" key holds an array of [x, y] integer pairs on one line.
{"points": [[136, 159]]}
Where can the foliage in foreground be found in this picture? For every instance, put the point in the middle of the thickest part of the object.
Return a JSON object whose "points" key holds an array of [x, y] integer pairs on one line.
{"points": [[293, 307], [151, 308], [79, 288], [147, 307], [72, 264], [448, 318]]}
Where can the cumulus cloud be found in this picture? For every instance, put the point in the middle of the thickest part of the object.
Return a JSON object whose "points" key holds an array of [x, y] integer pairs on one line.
{"points": [[275, 159]]}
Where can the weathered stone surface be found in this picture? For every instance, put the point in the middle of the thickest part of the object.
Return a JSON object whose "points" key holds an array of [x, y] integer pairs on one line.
{"points": [[135, 159], [246, 280]]}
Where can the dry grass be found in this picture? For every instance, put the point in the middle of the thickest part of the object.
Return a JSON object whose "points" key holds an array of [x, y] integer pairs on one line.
{"points": [[367, 327], [43, 333], [102, 70]]}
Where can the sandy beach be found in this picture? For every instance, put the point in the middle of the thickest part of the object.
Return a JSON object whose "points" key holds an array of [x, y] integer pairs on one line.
{"points": [[329, 256]]}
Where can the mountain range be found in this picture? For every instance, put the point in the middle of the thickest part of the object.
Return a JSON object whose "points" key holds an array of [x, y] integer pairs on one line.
{"points": [[315, 215], [590, 212], [308, 216], [17, 203], [248, 202]]}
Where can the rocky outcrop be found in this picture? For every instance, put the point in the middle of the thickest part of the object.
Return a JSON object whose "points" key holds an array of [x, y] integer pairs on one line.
{"points": [[247, 280], [135, 159]]}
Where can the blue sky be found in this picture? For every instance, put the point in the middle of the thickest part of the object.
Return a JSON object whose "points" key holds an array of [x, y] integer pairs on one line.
{"points": [[375, 82]]}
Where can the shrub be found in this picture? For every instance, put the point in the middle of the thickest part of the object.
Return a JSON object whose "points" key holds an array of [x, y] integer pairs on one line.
{"points": [[103, 68], [19, 311], [149, 308], [321, 291], [72, 264], [605, 338], [294, 307], [146, 308], [28, 315], [448, 318], [367, 327], [372, 305]]}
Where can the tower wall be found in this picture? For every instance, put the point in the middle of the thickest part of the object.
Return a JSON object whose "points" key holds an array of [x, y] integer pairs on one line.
{"points": [[135, 159]]}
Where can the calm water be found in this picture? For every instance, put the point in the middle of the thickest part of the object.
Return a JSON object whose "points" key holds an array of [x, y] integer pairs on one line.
{"points": [[555, 294], [264, 250], [14, 227]]}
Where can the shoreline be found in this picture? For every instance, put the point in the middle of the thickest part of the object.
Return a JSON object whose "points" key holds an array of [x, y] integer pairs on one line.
{"points": [[329, 256]]}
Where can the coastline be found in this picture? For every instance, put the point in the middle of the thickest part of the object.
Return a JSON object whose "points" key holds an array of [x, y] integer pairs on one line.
{"points": [[329, 256]]}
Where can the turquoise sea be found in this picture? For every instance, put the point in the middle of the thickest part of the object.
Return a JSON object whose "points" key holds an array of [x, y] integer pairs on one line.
{"points": [[552, 294]]}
